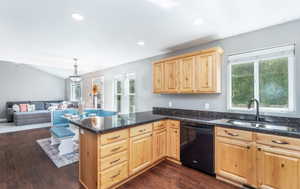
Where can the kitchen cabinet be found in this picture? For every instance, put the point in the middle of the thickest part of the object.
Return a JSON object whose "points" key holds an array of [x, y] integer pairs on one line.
{"points": [[277, 169], [171, 72], [173, 137], [140, 152], [159, 144], [197, 72], [158, 77], [207, 73], [259, 160], [108, 160], [234, 159], [235, 156], [187, 74], [278, 162]]}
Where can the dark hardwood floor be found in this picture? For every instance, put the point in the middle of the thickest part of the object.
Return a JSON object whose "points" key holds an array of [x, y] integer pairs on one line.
{"points": [[24, 165]]}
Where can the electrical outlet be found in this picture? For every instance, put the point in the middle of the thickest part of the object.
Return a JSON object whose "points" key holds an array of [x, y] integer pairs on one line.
{"points": [[170, 104], [206, 106]]}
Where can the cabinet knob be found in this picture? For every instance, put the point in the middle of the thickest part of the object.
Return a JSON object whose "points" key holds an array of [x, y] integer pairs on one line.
{"points": [[259, 149], [282, 165]]}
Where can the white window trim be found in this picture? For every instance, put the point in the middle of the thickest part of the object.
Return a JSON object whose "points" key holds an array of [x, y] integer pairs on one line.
{"points": [[291, 73]]}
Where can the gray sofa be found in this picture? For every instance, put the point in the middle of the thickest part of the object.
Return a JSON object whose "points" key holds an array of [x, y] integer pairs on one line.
{"points": [[41, 115]]}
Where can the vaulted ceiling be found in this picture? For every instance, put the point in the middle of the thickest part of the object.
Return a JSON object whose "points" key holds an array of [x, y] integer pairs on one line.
{"points": [[113, 32]]}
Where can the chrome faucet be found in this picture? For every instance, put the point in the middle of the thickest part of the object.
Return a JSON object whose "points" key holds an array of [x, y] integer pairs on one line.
{"points": [[257, 107]]}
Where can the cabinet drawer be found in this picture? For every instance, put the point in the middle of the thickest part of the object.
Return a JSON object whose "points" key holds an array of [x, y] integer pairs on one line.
{"points": [[174, 124], [113, 160], [278, 141], [140, 130], [113, 148], [114, 175], [159, 125], [113, 136], [234, 133]]}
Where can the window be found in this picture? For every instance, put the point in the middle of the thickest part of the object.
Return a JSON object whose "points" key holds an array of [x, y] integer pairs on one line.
{"points": [[75, 90], [124, 93], [118, 94], [131, 92], [266, 75]]}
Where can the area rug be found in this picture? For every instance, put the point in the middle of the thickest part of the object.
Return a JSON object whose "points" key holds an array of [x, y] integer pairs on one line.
{"points": [[53, 153]]}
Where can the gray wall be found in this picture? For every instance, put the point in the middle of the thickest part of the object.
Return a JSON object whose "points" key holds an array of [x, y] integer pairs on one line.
{"points": [[20, 82], [273, 36]]}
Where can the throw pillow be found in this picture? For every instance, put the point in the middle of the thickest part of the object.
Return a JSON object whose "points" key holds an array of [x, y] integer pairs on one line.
{"points": [[31, 107], [16, 108], [23, 107]]}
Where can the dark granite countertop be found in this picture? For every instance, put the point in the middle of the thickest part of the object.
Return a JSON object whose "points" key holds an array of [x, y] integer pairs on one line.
{"points": [[107, 124]]}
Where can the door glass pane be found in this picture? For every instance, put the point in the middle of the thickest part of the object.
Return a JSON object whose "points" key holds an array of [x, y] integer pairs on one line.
{"points": [[131, 103], [242, 79], [119, 99], [273, 83], [119, 87], [131, 86]]}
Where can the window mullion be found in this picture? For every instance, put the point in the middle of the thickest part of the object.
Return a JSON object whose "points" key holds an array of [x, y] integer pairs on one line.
{"points": [[256, 79]]}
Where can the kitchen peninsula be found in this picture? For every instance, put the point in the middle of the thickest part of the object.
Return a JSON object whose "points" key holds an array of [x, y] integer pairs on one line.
{"points": [[114, 150]]}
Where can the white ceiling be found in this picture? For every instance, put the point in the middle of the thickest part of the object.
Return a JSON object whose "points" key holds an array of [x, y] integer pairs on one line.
{"points": [[43, 33]]}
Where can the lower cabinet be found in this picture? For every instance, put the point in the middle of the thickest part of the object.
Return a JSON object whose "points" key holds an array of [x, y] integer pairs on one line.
{"points": [[278, 168], [235, 160], [173, 143], [159, 144], [264, 162], [111, 159], [140, 152]]}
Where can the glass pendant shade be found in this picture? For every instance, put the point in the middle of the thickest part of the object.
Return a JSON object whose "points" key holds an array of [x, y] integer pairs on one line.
{"points": [[75, 77]]}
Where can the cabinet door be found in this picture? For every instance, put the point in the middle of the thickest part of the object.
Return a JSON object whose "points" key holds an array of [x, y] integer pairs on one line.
{"points": [[171, 74], [277, 169], [158, 77], [173, 143], [235, 160], [159, 144], [140, 152], [205, 73], [187, 74]]}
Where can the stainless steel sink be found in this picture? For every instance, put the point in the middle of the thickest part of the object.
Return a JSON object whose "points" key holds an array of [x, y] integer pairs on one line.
{"points": [[262, 125]]}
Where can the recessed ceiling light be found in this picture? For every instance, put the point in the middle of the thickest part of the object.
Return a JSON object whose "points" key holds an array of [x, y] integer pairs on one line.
{"points": [[165, 3], [77, 17], [198, 21], [140, 43]]}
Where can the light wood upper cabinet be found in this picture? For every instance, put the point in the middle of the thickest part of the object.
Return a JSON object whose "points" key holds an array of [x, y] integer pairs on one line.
{"points": [[207, 73], [158, 77], [140, 152], [159, 144], [197, 72], [187, 74], [171, 72]]}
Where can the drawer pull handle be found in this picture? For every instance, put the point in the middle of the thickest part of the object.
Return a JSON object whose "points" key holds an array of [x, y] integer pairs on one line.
{"points": [[279, 142], [142, 130], [115, 149], [115, 161], [114, 138], [231, 134], [118, 174]]}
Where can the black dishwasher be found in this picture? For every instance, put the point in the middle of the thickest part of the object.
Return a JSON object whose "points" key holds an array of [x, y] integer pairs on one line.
{"points": [[197, 146]]}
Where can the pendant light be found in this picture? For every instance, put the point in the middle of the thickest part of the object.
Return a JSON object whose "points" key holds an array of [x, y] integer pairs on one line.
{"points": [[75, 77]]}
